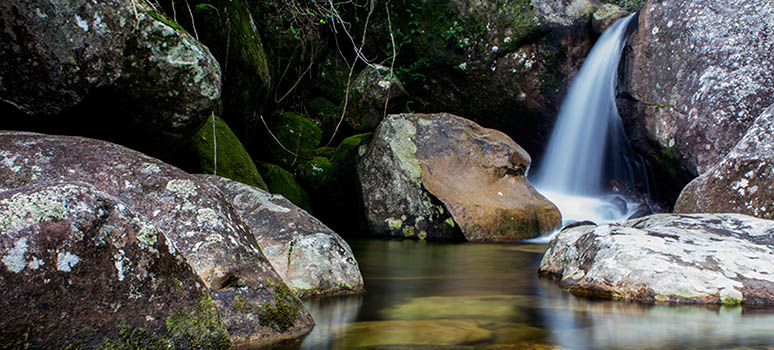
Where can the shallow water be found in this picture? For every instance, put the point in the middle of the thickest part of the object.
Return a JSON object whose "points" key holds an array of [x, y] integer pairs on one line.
{"points": [[487, 296]]}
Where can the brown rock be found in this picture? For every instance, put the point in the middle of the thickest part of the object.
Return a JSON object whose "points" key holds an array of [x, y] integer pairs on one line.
{"points": [[194, 215], [421, 167]]}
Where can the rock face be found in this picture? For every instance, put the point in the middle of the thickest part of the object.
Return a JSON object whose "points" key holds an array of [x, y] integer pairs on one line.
{"points": [[255, 305], [742, 182], [668, 258], [698, 75], [425, 174], [67, 67], [312, 259], [81, 267], [370, 91]]}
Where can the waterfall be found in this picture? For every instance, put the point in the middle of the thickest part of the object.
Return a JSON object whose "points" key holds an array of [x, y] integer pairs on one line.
{"points": [[589, 155]]}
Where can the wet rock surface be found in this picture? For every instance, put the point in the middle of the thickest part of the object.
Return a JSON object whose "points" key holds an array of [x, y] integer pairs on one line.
{"points": [[81, 268], [254, 303], [426, 174], [697, 75], [67, 67], [668, 258], [742, 182], [312, 259]]}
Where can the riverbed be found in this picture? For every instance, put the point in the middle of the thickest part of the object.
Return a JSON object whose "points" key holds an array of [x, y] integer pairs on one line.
{"points": [[487, 296]]}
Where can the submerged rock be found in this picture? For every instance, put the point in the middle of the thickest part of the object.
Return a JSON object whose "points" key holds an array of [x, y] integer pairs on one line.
{"points": [[254, 303], [667, 258], [697, 77], [742, 182], [312, 259], [82, 268], [66, 67], [424, 174], [407, 333]]}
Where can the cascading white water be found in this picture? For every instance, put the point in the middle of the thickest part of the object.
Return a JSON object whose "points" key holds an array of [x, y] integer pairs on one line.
{"points": [[589, 151]]}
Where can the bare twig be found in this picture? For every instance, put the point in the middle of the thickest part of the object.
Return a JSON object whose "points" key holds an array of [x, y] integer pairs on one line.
{"points": [[214, 147], [394, 57], [193, 23], [352, 70], [280, 143]]}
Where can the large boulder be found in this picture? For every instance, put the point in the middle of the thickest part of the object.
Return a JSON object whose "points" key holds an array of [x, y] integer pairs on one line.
{"points": [[668, 258], [424, 174], [742, 182], [696, 77], [254, 303], [312, 259], [67, 67], [80, 268]]}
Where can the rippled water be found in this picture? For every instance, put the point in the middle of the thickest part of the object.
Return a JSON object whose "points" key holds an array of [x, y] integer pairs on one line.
{"points": [[487, 296]]}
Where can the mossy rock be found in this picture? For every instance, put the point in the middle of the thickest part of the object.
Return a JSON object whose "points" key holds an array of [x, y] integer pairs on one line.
{"points": [[334, 182], [297, 134], [628, 5], [230, 32], [326, 113], [201, 329], [233, 160], [280, 181], [326, 152], [332, 82]]}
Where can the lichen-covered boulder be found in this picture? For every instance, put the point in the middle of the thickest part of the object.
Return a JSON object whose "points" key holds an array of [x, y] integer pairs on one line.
{"points": [[68, 66], [233, 161], [312, 259], [81, 268], [370, 90], [696, 78], [742, 182], [668, 258], [255, 305], [426, 174]]}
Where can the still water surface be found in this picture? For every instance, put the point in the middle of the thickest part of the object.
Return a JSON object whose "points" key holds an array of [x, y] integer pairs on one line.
{"points": [[487, 296]]}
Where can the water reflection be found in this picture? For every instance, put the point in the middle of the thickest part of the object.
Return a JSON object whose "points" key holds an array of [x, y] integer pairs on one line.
{"points": [[487, 296], [579, 323]]}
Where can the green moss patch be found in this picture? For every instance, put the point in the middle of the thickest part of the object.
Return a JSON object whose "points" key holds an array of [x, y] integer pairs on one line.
{"points": [[233, 160], [280, 181], [280, 314], [201, 329], [298, 135]]}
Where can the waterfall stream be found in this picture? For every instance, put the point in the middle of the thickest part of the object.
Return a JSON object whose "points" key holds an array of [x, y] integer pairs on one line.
{"points": [[589, 157]]}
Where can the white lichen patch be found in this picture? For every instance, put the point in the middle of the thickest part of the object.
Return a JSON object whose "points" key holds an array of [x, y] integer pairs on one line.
{"points": [[28, 208], [182, 188], [148, 234], [150, 168], [394, 224], [208, 217], [65, 261], [14, 259]]}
